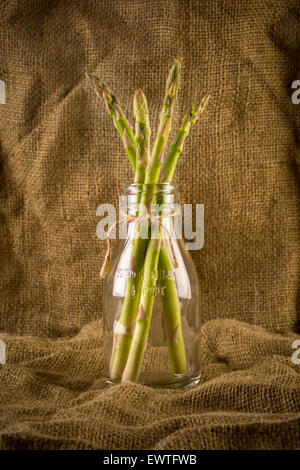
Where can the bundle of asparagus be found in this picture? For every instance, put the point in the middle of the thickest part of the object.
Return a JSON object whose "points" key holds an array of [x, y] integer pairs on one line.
{"points": [[148, 255]]}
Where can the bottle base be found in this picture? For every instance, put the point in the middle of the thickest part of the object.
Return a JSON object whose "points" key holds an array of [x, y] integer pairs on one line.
{"points": [[155, 380]]}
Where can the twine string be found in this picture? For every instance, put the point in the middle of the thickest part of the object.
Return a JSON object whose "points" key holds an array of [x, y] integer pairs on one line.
{"points": [[130, 218]]}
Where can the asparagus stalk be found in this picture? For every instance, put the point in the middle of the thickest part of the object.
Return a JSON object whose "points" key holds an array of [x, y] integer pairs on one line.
{"points": [[131, 303], [142, 135], [143, 320], [171, 304], [121, 123], [148, 170], [176, 147], [121, 343], [166, 115], [172, 314]]}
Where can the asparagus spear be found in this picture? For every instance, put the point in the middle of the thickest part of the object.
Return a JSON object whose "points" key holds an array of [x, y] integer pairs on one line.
{"points": [[176, 147], [143, 319], [166, 115], [122, 342], [114, 109], [171, 305], [172, 314], [131, 303], [142, 135]]}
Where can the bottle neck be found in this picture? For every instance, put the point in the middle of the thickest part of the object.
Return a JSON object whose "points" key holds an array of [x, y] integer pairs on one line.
{"points": [[160, 199]]}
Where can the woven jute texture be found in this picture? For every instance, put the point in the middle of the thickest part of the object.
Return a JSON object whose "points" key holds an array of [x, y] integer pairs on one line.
{"points": [[61, 157]]}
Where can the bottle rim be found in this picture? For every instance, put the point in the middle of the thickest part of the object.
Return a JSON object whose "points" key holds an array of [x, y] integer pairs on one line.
{"points": [[156, 188]]}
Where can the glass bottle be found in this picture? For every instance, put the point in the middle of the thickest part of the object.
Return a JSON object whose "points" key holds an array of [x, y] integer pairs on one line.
{"points": [[151, 295]]}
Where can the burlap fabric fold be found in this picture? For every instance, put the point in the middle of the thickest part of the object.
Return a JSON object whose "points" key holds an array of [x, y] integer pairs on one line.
{"points": [[60, 157]]}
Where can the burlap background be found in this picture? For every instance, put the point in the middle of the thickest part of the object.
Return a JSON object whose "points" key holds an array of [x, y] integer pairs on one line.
{"points": [[60, 157]]}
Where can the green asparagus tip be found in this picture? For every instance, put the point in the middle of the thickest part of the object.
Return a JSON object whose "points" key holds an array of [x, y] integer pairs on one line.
{"points": [[198, 109], [177, 63], [174, 73], [140, 106], [96, 83], [139, 95], [90, 77], [204, 101], [101, 88]]}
